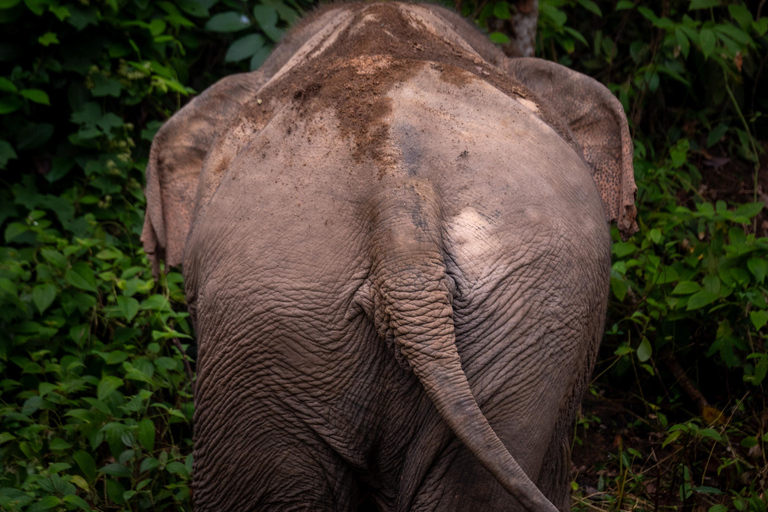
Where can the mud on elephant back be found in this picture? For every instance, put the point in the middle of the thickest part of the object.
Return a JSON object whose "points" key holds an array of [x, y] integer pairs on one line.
{"points": [[396, 248]]}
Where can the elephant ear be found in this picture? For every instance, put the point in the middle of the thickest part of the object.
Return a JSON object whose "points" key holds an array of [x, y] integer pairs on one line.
{"points": [[599, 125], [176, 159]]}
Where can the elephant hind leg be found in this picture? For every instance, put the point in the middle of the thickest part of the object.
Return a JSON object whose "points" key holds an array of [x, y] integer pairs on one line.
{"points": [[275, 474], [555, 475]]}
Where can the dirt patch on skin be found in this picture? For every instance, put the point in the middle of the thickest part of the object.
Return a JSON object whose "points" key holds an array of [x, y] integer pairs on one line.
{"points": [[222, 166], [383, 45], [453, 75]]}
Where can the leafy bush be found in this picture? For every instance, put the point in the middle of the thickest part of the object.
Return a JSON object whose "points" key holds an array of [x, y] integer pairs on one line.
{"points": [[96, 401]]}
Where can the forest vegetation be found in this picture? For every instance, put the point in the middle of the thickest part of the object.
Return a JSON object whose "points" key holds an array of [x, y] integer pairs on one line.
{"points": [[96, 356]]}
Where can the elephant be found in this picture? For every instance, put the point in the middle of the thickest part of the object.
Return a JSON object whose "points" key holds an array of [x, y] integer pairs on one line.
{"points": [[396, 243]]}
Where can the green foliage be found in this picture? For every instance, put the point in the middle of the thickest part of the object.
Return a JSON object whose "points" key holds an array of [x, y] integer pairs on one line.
{"points": [[693, 269], [96, 403]]}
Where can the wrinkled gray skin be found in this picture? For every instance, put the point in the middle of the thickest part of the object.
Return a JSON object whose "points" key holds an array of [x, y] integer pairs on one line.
{"points": [[396, 253]]}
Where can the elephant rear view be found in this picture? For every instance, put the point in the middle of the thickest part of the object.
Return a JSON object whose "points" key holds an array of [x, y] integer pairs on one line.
{"points": [[396, 249]]}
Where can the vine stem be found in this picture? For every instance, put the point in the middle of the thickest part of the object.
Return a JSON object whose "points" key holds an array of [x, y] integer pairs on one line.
{"points": [[187, 366], [746, 128]]}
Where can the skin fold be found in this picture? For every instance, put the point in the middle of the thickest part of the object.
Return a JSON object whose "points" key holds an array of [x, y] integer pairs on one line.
{"points": [[396, 251]]}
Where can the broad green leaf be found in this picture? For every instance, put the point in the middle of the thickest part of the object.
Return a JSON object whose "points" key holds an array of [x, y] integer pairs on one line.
{"points": [[619, 288], [682, 40], [286, 12], [156, 303], [622, 249], [133, 373], [577, 35], [759, 268], [103, 86], [110, 253], [648, 14], [177, 468], [710, 433], [499, 38], [712, 283], [43, 296], [53, 256], [6, 85], [259, 57], [686, 288], [557, 16], [60, 12], [230, 21], [48, 39], [274, 33], [624, 4], [79, 333], [501, 11], [761, 26], [671, 438], [749, 442], [107, 386], [170, 333], [197, 8], [113, 356], [707, 41], [644, 351], [76, 501], [46, 503], [701, 299], [749, 210], [157, 27], [149, 464], [679, 153], [735, 33], [81, 276], [36, 95], [741, 14], [591, 6], [265, 15], [10, 497], [8, 286], [244, 48], [59, 444], [716, 134], [116, 469], [115, 491], [758, 318], [81, 414], [10, 104], [146, 434], [6, 153], [761, 369], [128, 307], [14, 229]]}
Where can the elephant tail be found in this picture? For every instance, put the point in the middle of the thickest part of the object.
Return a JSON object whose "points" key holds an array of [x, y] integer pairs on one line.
{"points": [[413, 306]]}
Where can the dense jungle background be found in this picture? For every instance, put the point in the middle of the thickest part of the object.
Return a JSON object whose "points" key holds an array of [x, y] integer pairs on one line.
{"points": [[96, 404]]}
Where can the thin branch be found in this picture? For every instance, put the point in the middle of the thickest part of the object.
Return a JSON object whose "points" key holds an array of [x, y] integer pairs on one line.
{"points": [[187, 366]]}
